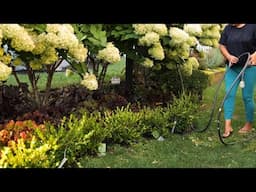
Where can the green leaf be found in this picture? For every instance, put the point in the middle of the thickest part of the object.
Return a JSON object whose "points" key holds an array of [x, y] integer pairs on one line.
{"points": [[94, 41], [129, 36], [166, 40], [83, 38]]}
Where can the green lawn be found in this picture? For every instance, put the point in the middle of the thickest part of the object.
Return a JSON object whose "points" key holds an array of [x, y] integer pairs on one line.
{"points": [[195, 150], [60, 80]]}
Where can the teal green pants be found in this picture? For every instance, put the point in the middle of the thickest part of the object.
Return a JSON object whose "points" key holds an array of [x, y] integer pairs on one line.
{"points": [[247, 91]]}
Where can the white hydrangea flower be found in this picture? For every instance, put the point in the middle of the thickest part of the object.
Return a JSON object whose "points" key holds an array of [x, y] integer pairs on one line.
{"points": [[142, 29], [79, 52], [187, 68], [147, 63], [160, 29], [23, 43], [36, 64], [178, 35], [184, 50], [206, 26], [6, 59], [60, 36], [69, 27], [149, 39], [157, 51], [206, 42], [17, 61], [53, 28], [90, 81], [50, 56], [110, 54], [192, 41], [5, 71], [193, 29], [171, 53], [67, 39], [20, 38], [194, 62], [40, 44], [209, 33], [10, 30]]}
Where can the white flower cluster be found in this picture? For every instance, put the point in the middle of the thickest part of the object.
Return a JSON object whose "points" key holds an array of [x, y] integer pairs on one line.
{"points": [[46, 44], [179, 51], [110, 54], [156, 51], [35, 64], [20, 38], [210, 35], [149, 39], [178, 35], [53, 28], [187, 69], [161, 29], [63, 37], [5, 57], [5, 71], [147, 63], [50, 56], [151, 34], [194, 62], [182, 42], [189, 65], [79, 52], [90, 81], [193, 29], [142, 29]]}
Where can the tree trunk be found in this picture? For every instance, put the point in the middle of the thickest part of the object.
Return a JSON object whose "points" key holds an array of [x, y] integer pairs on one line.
{"points": [[129, 79]]}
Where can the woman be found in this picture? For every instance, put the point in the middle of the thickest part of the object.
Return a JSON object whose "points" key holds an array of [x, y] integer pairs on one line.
{"points": [[235, 40]]}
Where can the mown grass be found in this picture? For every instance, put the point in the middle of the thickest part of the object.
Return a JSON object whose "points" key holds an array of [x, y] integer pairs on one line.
{"points": [[194, 150], [60, 80]]}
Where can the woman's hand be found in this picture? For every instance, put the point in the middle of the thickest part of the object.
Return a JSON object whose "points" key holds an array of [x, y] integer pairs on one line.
{"points": [[232, 59], [253, 58]]}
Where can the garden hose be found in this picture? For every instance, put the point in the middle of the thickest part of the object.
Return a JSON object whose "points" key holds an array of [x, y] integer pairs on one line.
{"points": [[241, 74], [213, 105]]}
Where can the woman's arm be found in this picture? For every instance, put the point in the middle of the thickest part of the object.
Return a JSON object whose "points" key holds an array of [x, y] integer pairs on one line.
{"points": [[253, 58]]}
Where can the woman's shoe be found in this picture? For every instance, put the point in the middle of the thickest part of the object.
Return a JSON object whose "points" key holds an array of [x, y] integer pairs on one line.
{"points": [[245, 130], [227, 134]]}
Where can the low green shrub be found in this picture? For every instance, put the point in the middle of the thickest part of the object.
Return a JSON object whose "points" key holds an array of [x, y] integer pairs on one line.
{"points": [[82, 136], [124, 124], [155, 122], [20, 154], [182, 114]]}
